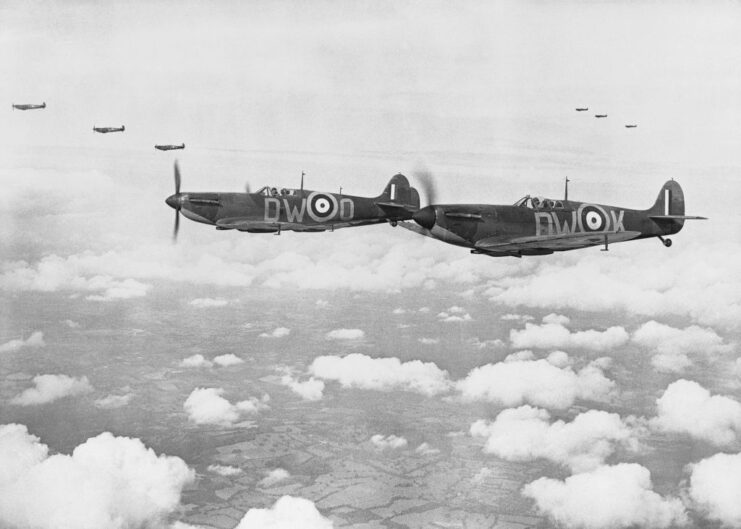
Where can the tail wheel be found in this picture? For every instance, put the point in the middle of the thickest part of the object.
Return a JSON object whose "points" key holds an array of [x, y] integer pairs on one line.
{"points": [[667, 242]]}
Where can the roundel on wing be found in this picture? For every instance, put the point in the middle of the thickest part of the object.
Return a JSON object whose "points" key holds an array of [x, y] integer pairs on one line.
{"points": [[322, 206], [593, 218]]}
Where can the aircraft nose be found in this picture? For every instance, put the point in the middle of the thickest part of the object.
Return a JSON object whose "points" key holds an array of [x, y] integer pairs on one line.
{"points": [[174, 201], [425, 217]]}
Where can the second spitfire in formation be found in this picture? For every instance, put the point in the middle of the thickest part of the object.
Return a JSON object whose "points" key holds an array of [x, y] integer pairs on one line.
{"points": [[169, 147]]}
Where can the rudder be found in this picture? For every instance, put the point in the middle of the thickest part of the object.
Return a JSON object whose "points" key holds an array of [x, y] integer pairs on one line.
{"points": [[670, 200], [398, 191]]}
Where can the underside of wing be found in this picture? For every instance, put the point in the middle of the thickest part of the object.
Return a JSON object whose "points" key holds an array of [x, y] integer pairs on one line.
{"points": [[255, 226], [676, 217], [568, 241]]}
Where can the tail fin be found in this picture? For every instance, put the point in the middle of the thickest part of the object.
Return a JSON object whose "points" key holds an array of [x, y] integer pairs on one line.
{"points": [[670, 201], [398, 200]]}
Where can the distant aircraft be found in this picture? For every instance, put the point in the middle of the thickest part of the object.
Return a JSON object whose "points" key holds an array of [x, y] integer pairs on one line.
{"points": [[169, 147], [271, 210], [541, 226], [630, 126], [600, 115], [582, 109], [29, 106], [106, 130]]}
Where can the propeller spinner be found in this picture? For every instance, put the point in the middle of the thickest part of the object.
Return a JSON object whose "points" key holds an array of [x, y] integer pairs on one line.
{"points": [[426, 217]]}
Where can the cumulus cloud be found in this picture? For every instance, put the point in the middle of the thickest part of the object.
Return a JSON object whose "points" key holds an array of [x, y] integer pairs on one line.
{"points": [[388, 442], [516, 317], [288, 512], [274, 477], [526, 433], [48, 388], [428, 341], [205, 303], [536, 382], [36, 339], [278, 332], [398, 311], [71, 324], [224, 470], [110, 402], [579, 500], [687, 407], [520, 356], [426, 450], [207, 406], [107, 481], [558, 319], [227, 360], [556, 335], [559, 359], [112, 289], [674, 347], [197, 360], [454, 314], [715, 483], [345, 334], [385, 374], [694, 283], [311, 389]]}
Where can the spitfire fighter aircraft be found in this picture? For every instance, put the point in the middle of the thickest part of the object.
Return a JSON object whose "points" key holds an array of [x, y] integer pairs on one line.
{"points": [[29, 106], [169, 147], [272, 210], [541, 226], [106, 130]]}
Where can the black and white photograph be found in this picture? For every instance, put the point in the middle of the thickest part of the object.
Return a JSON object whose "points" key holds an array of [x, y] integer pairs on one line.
{"points": [[370, 264]]}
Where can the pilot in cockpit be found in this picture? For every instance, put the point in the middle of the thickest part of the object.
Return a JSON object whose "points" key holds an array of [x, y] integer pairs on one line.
{"points": [[536, 203], [274, 191]]}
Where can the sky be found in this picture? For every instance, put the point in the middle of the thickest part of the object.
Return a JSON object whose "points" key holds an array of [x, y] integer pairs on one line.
{"points": [[481, 94]]}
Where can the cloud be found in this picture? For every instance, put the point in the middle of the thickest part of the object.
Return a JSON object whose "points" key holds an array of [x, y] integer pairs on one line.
{"points": [[111, 402], [288, 512], [36, 339], [579, 500], [557, 319], [273, 477], [207, 406], [536, 382], [107, 481], [674, 347], [205, 303], [48, 388], [227, 360], [555, 335], [197, 360], [687, 407], [428, 341], [693, 283], [398, 311], [384, 374], [345, 334], [714, 486], [559, 359], [322, 303], [454, 314], [278, 332], [71, 324], [388, 442], [224, 470], [426, 450], [311, 389], [520, 356], [526, 433], [515, 317], [115, 289]]}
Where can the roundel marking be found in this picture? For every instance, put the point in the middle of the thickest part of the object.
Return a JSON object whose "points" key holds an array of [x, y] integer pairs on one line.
{"points": [[322, 206], [592, 218]]}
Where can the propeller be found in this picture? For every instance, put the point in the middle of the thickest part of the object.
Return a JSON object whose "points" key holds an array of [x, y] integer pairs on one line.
{"points": [[247, 187], [175, 202], [426, 217], [427, 183]]}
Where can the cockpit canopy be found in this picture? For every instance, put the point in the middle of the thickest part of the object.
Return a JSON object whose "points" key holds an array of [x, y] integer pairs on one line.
{"points": [[269, 191], [539, 203]]}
